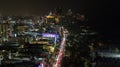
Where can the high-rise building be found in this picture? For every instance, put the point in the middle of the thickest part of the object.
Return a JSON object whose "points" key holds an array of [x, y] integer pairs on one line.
{"points": [[4, 31]]}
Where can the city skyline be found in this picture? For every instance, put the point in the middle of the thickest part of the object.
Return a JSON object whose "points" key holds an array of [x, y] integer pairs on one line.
{"points": [[101, 14]]}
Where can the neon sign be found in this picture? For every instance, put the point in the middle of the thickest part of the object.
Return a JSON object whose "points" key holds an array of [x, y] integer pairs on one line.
{"points": [[50, 35]]}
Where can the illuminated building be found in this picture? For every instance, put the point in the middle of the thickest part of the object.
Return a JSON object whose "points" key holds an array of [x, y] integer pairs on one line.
{"points": [[4, 31]]}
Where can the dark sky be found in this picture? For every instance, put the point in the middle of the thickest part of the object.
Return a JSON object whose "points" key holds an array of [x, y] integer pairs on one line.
{"points": [[38, 6], [103, 15]]}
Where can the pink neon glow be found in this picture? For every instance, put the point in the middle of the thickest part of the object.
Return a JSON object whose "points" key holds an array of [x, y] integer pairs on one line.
{"points": [[59, 58], [41, 65]]}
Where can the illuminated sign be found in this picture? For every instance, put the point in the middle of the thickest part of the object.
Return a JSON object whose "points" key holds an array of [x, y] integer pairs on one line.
{"points": [[50, 35], [55, 36]]}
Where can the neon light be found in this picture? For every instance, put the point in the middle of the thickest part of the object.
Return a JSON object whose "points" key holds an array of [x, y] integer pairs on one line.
{"points": [[59, 58], [41, 65], [48, 35], [56, 36]]}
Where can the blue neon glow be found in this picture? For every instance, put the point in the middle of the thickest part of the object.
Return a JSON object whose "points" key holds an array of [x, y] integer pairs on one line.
{"points": [[50, 35], [39, 66]]}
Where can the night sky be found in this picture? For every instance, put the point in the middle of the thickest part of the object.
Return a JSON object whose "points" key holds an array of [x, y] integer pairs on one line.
{"points": [[103, 15]]}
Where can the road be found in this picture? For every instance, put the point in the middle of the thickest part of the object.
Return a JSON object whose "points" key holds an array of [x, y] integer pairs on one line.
{"points": [[61, 52]]}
